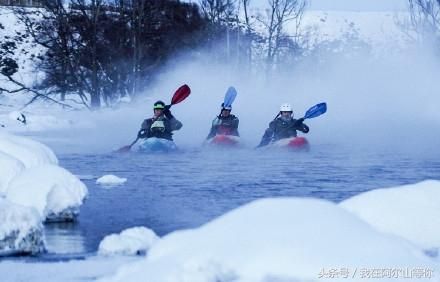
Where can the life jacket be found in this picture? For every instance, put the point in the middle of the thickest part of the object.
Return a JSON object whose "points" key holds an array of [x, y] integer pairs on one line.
{"points": [[284, 128], [225, 126], [158, 126]]}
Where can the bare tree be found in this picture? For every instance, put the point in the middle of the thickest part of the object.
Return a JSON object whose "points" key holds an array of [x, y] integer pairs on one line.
{"points": [[217, 11], [279, 13], [425, 16]]}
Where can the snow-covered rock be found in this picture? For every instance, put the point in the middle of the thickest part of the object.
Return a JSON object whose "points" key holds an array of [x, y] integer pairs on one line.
{"points": [[21, 230], [285, 239], [410, 211], [132, 241], [110, 179], [9, 168], [53, 191], [31, 153]]}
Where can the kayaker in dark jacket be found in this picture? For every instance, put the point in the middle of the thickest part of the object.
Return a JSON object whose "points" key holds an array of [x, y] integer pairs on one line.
{"points": [[284, 126], [161, 125], [224, 124]]}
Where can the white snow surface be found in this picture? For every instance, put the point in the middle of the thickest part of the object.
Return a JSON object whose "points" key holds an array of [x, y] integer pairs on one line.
{"points": [[132, 241], [110, 179], [10, 167], [284, 239], [409, 211], [31, 153], [53, 191], [21, 230], [67, 271], [30, 176]]}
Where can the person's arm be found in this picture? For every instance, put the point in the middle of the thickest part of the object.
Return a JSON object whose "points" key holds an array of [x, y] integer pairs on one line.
{"points": [[145, 128], [174, 123], [268, 134], [299, 125], [235, 123], [214, 128]]}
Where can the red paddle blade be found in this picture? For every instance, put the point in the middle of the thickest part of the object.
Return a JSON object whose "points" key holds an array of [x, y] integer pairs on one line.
{"points": [[180, 94]]}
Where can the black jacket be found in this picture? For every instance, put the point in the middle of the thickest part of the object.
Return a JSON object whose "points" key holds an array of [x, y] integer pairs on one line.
{"points": [[160, 127], [280, 129], [224, 126]]}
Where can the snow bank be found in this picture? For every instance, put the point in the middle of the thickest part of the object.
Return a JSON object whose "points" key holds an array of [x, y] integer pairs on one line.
{"points": [[53, 191], [275, 240], [410, 211], [110, 179], [133, 241], [30, 176], [10, 167], [21, 230], [29, 152]]}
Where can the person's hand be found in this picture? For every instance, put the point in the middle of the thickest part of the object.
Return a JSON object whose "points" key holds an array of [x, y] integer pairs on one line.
{"points": [[299, 121], [142, 133], [167, 112]]}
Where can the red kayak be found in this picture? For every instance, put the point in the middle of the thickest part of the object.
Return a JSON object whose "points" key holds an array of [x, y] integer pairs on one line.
{"points": [[224, 141], [294, 143]]}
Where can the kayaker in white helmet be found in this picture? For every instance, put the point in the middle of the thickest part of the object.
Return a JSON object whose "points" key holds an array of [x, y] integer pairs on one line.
{"points": [[283, 126]]}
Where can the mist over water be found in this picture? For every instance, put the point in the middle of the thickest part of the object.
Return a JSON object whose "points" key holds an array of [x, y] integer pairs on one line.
{"points": [[385, 102]]}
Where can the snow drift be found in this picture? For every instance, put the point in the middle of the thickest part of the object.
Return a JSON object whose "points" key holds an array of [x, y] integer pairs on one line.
{"points": [[410, 211], [31, 153], [286, 239], [53, 191]]}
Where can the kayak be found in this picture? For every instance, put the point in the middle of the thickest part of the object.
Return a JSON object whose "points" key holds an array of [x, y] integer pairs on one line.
{"points": [[154, 144], [224, 141], [294, 143]]}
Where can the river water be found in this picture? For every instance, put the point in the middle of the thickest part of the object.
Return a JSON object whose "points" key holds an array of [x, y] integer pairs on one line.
{"points": [[167, 192]]}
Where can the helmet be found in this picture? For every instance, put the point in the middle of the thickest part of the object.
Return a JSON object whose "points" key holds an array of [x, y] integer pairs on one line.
{"points": [[286, 108], [228, 107], [159, 105]]}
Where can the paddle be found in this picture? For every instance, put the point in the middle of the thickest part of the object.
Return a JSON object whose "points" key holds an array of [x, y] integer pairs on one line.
{"points": [[316, 111], [230, 95], [181, 93]]}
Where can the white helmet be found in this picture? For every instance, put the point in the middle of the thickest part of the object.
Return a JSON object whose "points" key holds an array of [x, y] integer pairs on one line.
{"points": [[286, 108]]}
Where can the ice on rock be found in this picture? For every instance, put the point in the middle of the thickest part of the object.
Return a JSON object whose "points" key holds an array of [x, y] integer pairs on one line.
{"points": [[132, 241], [21, 230], [110, 179]]}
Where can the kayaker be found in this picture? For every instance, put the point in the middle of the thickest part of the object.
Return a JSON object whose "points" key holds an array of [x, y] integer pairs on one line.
{"points": [[161, 125], [224, 124], [284, 126]]}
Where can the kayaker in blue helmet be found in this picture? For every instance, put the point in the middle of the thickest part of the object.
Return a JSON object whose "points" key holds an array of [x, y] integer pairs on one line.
{"points": [[161, 125], [283, 126], [224, 124]]}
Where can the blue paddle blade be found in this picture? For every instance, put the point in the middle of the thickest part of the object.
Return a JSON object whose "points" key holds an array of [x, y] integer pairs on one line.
{"points": [[229, 97], [316, 110]]}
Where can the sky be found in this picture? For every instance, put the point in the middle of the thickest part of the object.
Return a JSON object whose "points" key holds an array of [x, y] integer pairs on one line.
{"points": [[361, 5]]}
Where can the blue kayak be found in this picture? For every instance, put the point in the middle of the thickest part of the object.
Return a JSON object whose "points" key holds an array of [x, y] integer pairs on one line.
{"points": [[156, 145]]}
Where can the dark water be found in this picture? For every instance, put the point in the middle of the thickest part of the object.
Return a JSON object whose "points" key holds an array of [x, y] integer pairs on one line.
{"points": [[166, 192]]}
